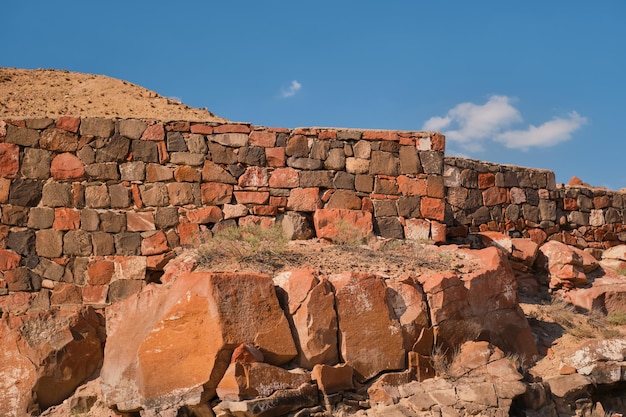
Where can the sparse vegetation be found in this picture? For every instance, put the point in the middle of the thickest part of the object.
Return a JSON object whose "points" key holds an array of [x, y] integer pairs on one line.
{"points": [[585, 325], [617, 318], [241, 242], [348, 234]]}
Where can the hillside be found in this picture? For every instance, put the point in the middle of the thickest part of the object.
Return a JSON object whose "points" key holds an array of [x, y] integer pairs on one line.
{"points": [[51, 93]]}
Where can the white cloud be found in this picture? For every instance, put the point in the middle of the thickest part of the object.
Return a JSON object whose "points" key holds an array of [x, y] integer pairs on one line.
{"points": [[291, 91], [550, 133], [471, 126]]}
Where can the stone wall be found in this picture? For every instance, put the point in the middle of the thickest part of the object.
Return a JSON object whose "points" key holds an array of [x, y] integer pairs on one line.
{"points": [[527, 202], [91, 208]]}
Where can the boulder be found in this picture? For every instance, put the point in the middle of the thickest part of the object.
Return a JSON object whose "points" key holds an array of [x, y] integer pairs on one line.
{"points": [[480, 305], [248, 380], [216, 312], [342, 225], [370, 337], [607, 294], [566, 265], [45, 356]]}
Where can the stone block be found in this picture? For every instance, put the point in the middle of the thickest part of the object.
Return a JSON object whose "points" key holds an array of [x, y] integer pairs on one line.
{"points": [[97, 196], [120, 196], [385, 208], [180, 193], [215, 193], [275, 157], [186, 173], [121, 289], [157, 172], [343, 180], [58, 140], [112, 222], [96, 126], [344, 199], [145, 151], [25, 192], [222, 154], [166, 217], [252, 197], [494, 196], [36, 163], [322, 179], [212, 172], [409, 160], [435, 187], [68, 123], [113, 149], [304, 163], [127, 244], [105, 171], [297, 146], [364, 183], [411, 186], [389, 227], [66, 219], [89, 220], [235, 140], [5, 186], [209, 214], [386, 186], [14, 215], [304, 199], [9, 260], [263, 138], [154, 194], [155, 132], [187, 158], [384, 163], [154, 243], [103, 244], [432, 162], [40, 218], [408, 207], [22, 136], [357, 165], [22, 242], [133, 171], [252, 155], [196, 144], [432, 208], [132, 128], [139, 221], [66, 166], [21, 279], [77, 243], [254, 176]]}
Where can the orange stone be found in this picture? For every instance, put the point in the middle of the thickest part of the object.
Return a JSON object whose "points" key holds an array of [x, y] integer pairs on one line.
{"points": [[66, 219], [66, 166], [432, 208], [154, 244]]}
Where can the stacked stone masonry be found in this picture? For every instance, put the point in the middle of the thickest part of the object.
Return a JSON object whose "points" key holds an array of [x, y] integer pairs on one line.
{"points": [[527, 202], [92, 208]]}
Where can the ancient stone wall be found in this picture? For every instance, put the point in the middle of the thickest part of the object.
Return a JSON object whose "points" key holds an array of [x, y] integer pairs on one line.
{"points": [[93, 207], [527, 202]]}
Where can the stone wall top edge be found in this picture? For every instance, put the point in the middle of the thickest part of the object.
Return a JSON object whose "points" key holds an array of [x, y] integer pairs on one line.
{"points": [[495, 164], [422, 133]]}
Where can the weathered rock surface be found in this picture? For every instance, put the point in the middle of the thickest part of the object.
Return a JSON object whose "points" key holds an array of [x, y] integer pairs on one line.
{"points": [[480, 305], [218, 311], [45, 356], [567, 266]]}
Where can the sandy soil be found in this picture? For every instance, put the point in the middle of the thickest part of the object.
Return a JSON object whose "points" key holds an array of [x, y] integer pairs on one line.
{"points": [[53, 93]]}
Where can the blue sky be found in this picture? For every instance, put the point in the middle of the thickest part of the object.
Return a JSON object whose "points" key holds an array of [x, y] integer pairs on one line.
{"points": [[535, 83]]}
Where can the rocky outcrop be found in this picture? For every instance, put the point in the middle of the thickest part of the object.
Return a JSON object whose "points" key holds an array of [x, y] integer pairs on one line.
{"points": [[45, 356], [567, 266]]}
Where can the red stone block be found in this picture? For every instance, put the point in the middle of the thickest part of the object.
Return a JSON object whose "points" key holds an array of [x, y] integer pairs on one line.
{"points": [[284, 178], [185, 173], [68, 123], [432, 208], [154, 132], [5, 186], [66, 294], [254, 176], [275, 157], [264, 210], [100, 272], [407, 141], [164, 156], [95, 294], [201, 129], [232, 128], [189, 234], [601, 202], [537, 235], [278, 201], [252, 197], [178, 126], [327, 134], [66, 166], [134, 192], [304, 199], [18, 123], [412, 186], [215, 193], [438, 142], [9, 260], [380, 135], [154, 244], [278, 129], [494, 196], [264, 222], [157, 262], [304, 131], [367, 205], [336, 224], [78, 194], [139, 221], [263, 138], [66, 219], [9, 160], [570, 204], [486, 180], [438, 232], [209, 214]]}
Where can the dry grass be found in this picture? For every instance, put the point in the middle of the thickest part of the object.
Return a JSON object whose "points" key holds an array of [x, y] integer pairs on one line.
{"points": [[588, 325]]}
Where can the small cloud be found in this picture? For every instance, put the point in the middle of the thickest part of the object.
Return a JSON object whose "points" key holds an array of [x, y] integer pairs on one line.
{"points": [[291, 91], [471, 126]]}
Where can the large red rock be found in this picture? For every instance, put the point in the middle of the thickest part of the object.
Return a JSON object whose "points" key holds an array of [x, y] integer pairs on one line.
{"points": [[45, 356], [311, 304], [567, 266], [479, 305], [247, 380], [370, 337], [66, 166], [607, 294], [170, 346], [408, 302]]}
